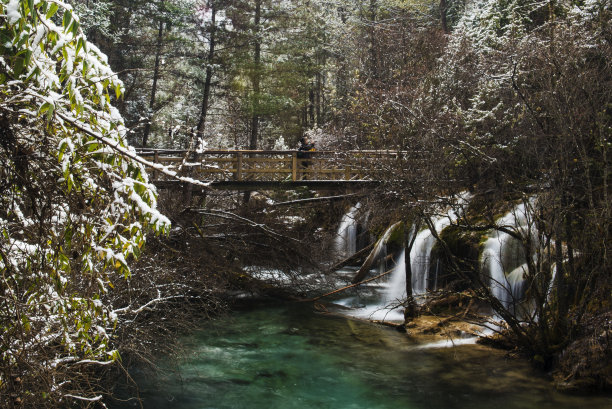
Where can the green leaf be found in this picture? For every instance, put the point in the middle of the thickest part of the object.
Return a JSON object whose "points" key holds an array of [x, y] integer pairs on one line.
{"points": [[35, 73], [67, 20], [22, 60], [69, 181], [25, 322], [62, 147], [28, 57], [68, 237], [80, 45], [52, 10], [49, 108], [64, 259]]}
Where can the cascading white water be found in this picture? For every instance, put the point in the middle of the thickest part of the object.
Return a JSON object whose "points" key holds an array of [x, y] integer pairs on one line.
{"points": [[396, 291], [420, 255], [503, 254], [516, 282], [345, 242], [388, 307]]}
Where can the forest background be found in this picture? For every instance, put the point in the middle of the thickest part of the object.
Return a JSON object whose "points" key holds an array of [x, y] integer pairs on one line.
{"points": [[510, 97]]}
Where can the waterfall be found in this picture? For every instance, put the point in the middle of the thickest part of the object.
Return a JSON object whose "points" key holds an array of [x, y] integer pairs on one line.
{"points": [[388, 294], [380, 248], [345, 242], [387, 307], [396, 291], [516, 282], [420, 255], [503, 254]]}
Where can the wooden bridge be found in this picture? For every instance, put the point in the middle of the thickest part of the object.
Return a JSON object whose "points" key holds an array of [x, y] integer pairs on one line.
{"points": [[260, 169]]}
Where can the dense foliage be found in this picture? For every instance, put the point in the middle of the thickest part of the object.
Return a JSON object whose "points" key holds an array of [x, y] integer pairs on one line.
{"points": [[73, 206]]}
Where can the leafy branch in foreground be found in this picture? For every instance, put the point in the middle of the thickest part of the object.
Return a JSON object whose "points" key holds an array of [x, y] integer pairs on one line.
{"points": [[74, 206]]}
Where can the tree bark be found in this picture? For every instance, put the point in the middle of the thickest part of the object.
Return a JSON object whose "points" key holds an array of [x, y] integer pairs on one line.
{"points": [[351, 286], [352, 258], [158, 47], [209, 73], [256, 78], [443, 20], [373, 60], [311, 106], [411, 307], [365, 268], [342, 75]]}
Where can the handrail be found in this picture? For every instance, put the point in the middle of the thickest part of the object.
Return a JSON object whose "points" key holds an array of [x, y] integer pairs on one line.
{"points": [[145, 151], [270, 165]]}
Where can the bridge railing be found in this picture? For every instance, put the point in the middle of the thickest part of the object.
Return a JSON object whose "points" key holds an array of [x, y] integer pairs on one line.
{"points": [[262, 165]]}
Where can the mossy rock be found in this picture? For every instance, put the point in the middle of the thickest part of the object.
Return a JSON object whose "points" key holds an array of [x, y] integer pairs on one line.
{"points": [[397, 236], [464, 246]]}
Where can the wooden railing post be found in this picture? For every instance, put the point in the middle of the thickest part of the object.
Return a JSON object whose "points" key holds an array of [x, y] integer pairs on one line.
{"points": [[155, 160], [294, 166], [187, 187], [347, 172], [239, 166]]}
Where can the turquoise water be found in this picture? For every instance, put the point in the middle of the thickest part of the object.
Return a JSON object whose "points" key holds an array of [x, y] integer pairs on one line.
{"points": [[288, 357]]}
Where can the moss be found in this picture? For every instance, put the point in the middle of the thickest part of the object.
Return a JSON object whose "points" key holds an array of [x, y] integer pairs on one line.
{"points": [[464, 246], [484, 208], [397, 236]]}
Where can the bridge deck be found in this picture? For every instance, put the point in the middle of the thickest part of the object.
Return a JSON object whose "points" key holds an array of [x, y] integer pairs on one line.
{"points": [[244, 169]]}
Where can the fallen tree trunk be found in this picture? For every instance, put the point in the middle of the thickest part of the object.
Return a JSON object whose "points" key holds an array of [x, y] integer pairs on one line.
{"points": [[350, 286], [315, 199], [367, 264], [351, 259]]}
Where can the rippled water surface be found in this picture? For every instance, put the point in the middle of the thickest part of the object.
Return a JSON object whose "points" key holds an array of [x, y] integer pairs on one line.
{"points": [[291, 357]]}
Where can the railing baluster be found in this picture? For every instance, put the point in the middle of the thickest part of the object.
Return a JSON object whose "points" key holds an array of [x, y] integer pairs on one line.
{"points": [[155, 160], [239, 166], [294, 166]]}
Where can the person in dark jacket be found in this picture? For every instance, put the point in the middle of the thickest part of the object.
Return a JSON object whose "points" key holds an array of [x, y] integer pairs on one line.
{"points": [[304, 151], [305, 146]]}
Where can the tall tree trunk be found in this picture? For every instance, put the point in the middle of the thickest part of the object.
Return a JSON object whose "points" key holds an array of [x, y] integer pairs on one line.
{"points": [[320, 85], [209, 73], [311, 106], [443, 10], [319, 100], [256, 78], [409, 238], [373, 60], [158, 49], [342, 76], [560, 325]]}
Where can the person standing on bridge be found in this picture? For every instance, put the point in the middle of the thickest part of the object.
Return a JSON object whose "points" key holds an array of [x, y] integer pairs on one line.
{"points": [[304, 152]]}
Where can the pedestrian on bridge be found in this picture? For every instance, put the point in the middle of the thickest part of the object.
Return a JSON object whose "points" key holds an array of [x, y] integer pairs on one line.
{"points": [[304, 152]]}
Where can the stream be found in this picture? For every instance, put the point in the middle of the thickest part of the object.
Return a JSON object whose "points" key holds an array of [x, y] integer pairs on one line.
{"points": [[288, 356]]}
